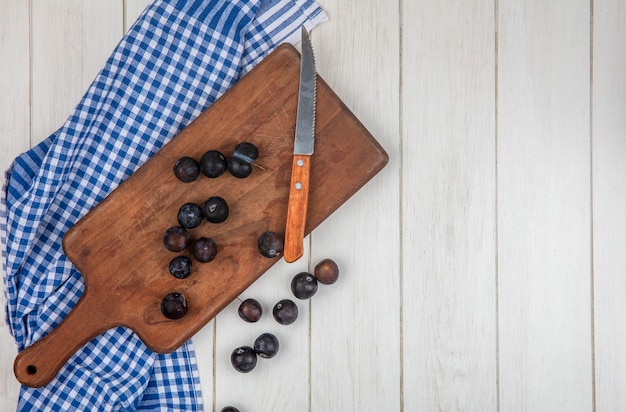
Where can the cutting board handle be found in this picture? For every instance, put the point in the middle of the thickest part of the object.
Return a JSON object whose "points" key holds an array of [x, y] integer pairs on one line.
{"points": [[39, 363]]}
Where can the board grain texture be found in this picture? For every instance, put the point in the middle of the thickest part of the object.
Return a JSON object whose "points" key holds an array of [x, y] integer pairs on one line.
{"points": [[118, 245]]}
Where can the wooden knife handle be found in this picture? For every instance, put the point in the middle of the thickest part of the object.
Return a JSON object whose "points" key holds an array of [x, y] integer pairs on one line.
{"points": [[297, 208], [39, 363]]}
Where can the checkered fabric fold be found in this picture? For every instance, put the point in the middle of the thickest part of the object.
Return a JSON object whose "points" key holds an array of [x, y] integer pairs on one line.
{"points": [[174, 62]]}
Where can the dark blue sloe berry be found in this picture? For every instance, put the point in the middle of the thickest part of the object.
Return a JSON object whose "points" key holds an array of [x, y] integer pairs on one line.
{"points": [[266, 345], [271, 244], [240, 163], [246, 151], [215, 209], [180, 267], [304, 285], [204, 249], [243, 359], [175, 239], [186, 169], [189, 215], [239, 168], [285, 312], [174, 306], [213, 164], [250, 310]]}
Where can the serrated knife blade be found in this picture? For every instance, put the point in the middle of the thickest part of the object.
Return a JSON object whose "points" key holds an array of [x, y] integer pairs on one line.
{"points": [[303, 149]]}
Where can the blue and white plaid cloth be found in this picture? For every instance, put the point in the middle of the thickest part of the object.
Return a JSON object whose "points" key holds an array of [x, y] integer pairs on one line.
{"points": [[175, 61]]}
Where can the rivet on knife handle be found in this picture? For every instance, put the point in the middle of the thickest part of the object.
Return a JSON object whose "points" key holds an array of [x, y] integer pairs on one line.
{"points": [[297, 208]]}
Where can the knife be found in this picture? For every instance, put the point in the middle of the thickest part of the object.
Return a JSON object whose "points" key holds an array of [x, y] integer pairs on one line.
{"points": [[303, 149]]}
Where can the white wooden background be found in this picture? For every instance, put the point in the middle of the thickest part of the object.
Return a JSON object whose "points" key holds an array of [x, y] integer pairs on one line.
{"points": [[484, 269]]}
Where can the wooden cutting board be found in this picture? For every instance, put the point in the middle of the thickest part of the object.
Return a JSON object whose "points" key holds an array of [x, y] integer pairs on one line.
{"points": [[118, 245]]}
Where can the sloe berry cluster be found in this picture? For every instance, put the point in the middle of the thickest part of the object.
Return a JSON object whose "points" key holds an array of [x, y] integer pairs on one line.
{"points": [[285, 312], [244, 358], [215, 209], [213, 164]]}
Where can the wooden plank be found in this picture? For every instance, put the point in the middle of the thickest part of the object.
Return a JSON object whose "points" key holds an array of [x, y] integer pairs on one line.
{"points": [[15, 103], [132, 10], [448, 192], [609, 202], [16, 85], [14, 139], [544, 294], [71, 41], [355, 323], [14, 82]]}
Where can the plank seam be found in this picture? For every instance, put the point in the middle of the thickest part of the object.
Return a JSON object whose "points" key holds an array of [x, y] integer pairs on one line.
{"points": [[401, 200], [30, 73], [496, 13], [124, 15], [591, 211], [310, 331], [214, 361]]}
